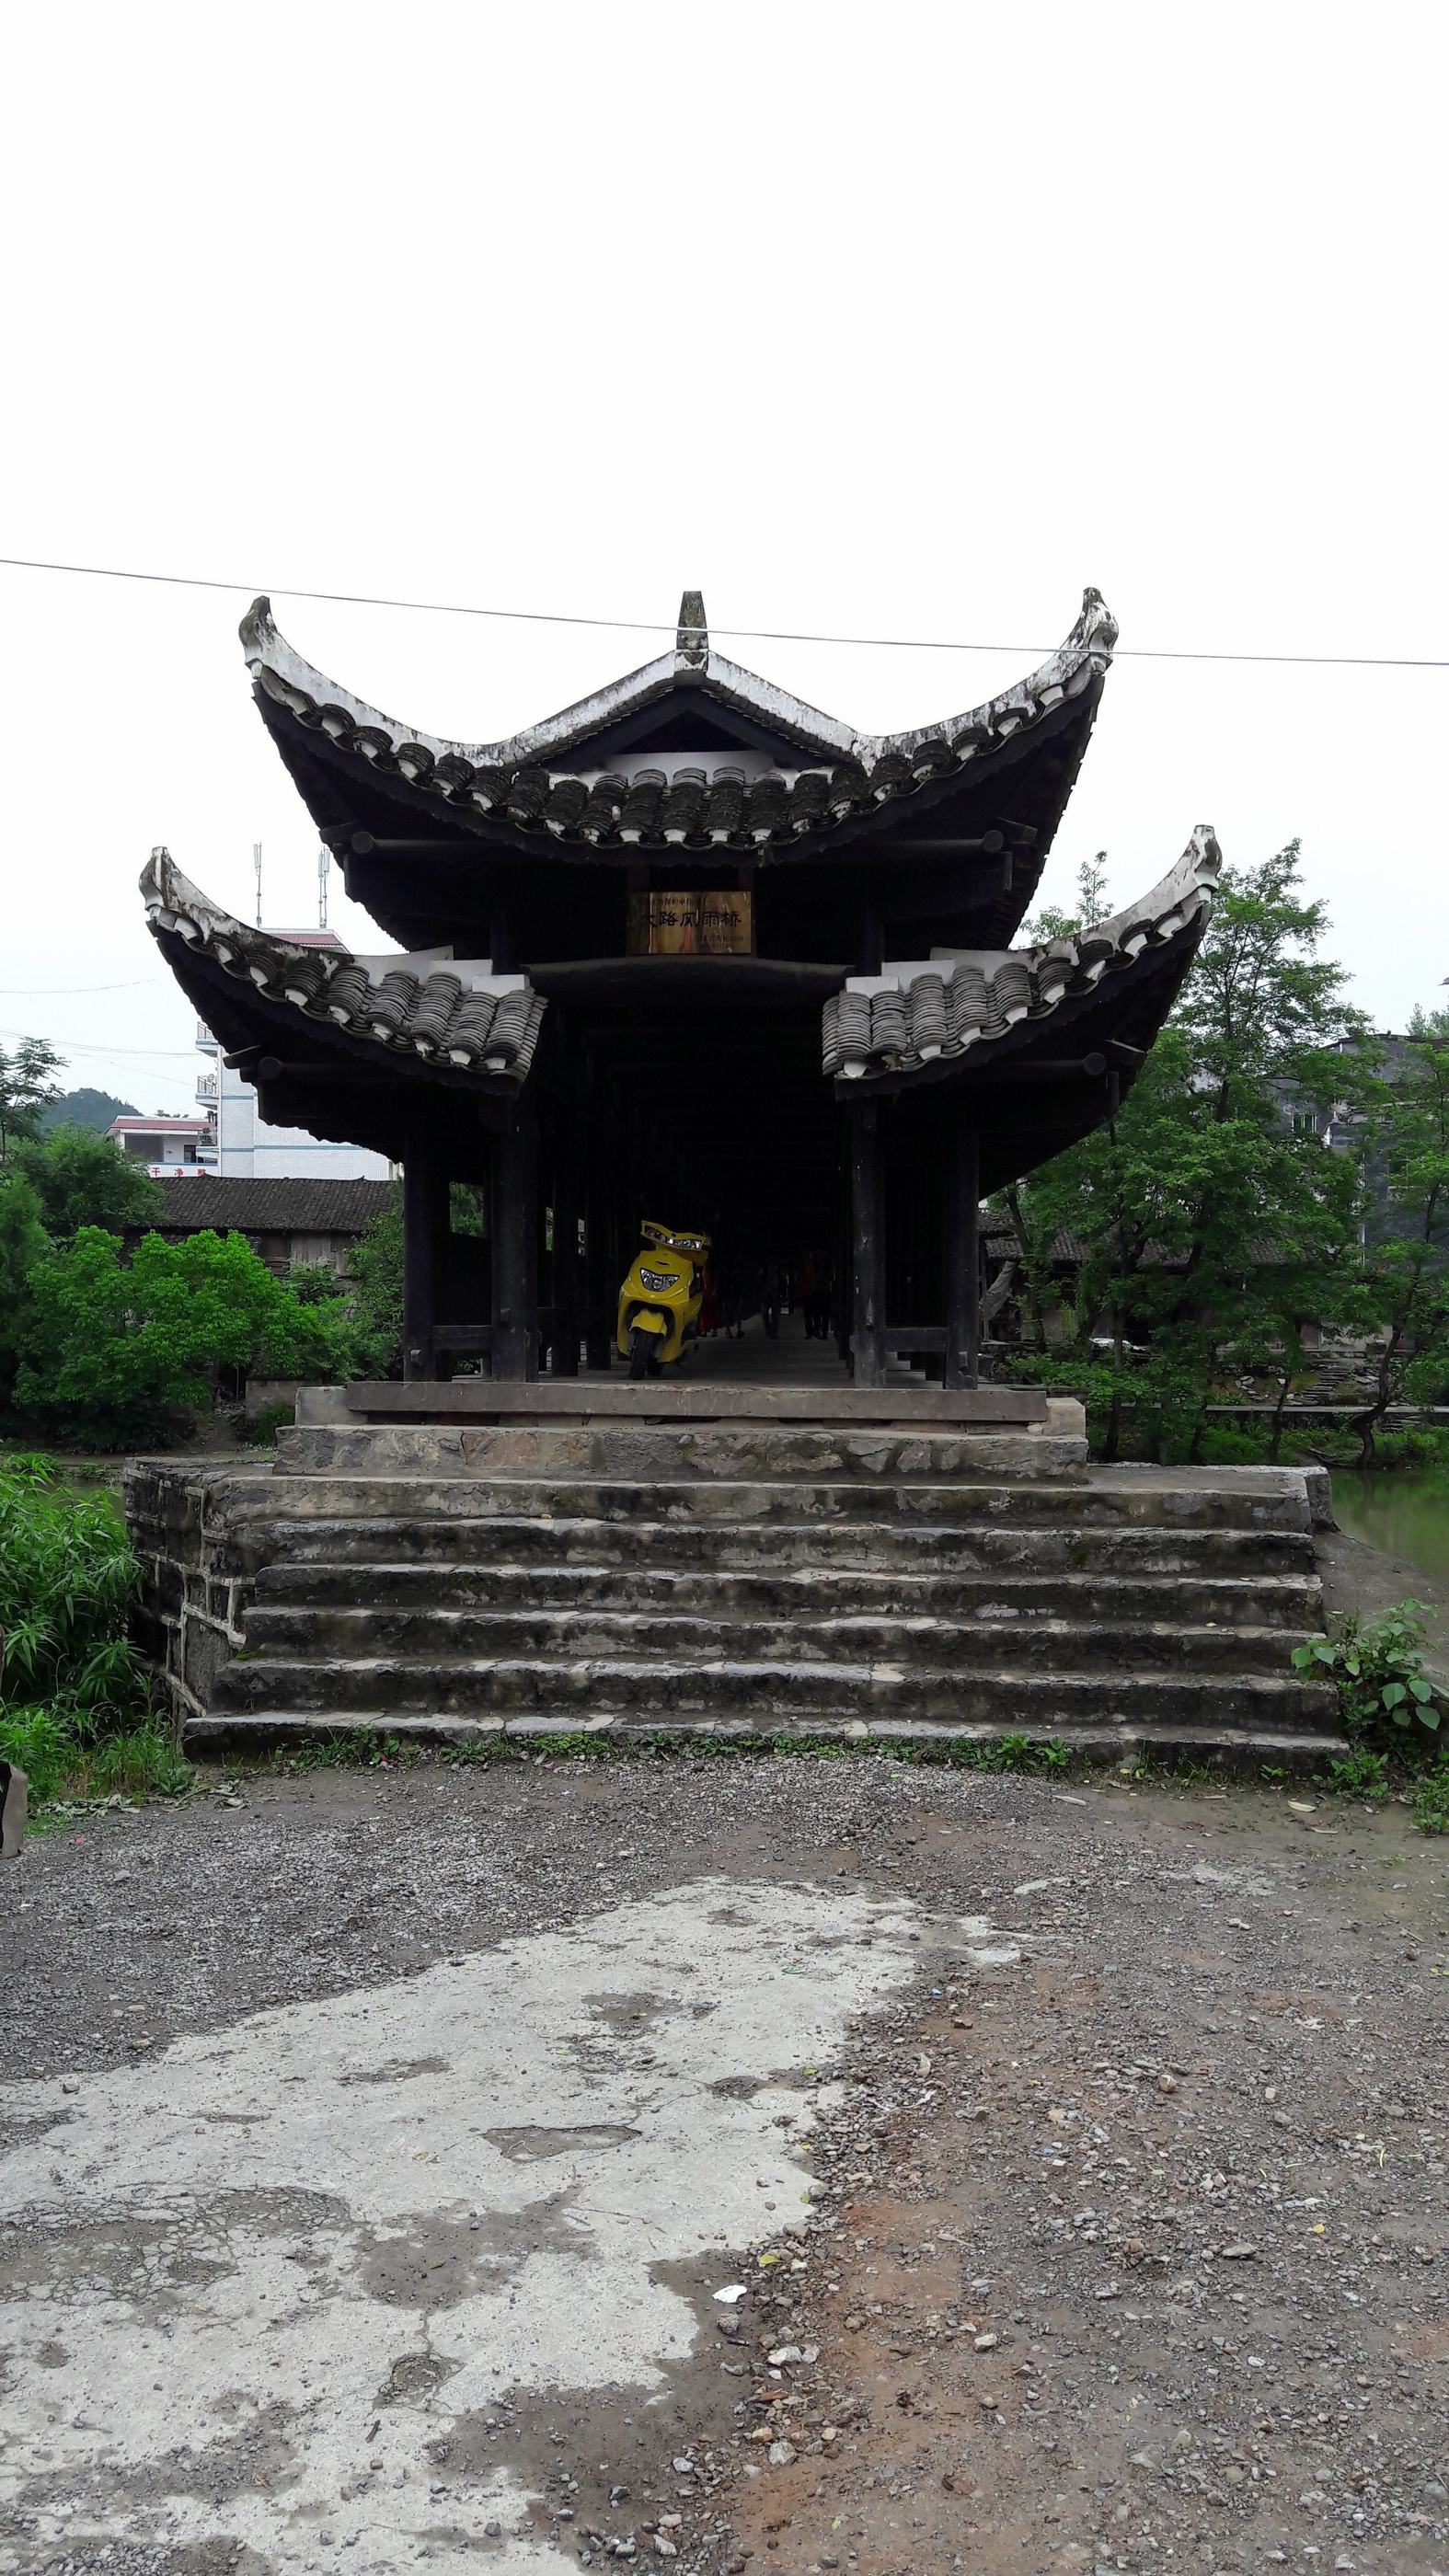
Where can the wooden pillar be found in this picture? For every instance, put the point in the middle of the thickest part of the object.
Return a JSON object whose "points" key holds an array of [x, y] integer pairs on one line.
{"points": [[963, 1275], [425, 1232], [565, 1281], [515, 1248], [601, 1280], [867, 1208]]}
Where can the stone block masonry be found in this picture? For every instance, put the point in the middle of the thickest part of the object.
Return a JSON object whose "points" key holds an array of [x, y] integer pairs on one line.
{"points": [[200, 1530], [509, 1584]]}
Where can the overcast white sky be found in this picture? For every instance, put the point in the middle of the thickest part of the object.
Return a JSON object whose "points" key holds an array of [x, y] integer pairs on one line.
{"points": [[900, 319]]}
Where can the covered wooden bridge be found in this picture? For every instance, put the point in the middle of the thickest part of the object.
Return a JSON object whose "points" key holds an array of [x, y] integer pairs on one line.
{"points": [[691, 949]]}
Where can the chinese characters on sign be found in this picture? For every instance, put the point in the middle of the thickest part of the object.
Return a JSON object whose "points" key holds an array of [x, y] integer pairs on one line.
{"points": [[691, 925]]}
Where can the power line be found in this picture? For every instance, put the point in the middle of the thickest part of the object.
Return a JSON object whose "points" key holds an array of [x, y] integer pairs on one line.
{"points": [[59, 992], [744, 634], [80, 1046]]}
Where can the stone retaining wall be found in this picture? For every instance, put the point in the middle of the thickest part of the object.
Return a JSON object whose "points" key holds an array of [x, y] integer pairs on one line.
{"points": [[201, 1530]]}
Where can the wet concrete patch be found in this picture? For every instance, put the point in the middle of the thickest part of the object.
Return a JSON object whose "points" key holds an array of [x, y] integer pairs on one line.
{"points": [[436, 2262], [533, 2145]]}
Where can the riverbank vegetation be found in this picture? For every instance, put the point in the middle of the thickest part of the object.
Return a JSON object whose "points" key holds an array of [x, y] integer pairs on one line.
{"points": [[1277, 1174], [75, 1709]]}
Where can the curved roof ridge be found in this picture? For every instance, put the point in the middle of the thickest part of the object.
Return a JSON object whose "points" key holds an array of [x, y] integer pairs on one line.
{"points": [[1086, 653], [1187, 887]]}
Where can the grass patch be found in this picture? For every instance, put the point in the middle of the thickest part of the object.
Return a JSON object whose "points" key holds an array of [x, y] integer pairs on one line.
{"points": [[1430, 1801]]}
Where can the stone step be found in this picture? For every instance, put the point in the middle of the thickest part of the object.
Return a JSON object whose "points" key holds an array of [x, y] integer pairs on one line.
{"points": [[1002, 1691], [292, 1633], [1274, 1502], [870, 1546], [651, 1452], [1205, 1737], [1291, 1601]]}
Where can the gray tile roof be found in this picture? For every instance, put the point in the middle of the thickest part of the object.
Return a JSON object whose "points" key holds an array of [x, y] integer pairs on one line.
{"points": [[227, 1206], [954, 1004], [526, 781], [452, 1014]]}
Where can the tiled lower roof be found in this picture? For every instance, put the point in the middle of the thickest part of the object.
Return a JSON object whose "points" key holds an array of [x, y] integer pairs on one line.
{"points": [[242, 1206], [159, 1126], [451, 1015], [949, 1005], [518, 783]]}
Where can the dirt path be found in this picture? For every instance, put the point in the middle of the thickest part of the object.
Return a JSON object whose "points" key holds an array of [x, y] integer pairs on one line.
{"points": [[1098, 2137]]}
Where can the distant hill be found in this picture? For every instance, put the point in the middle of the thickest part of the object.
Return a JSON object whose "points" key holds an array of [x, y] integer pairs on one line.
{"points": [[87, 1108]]}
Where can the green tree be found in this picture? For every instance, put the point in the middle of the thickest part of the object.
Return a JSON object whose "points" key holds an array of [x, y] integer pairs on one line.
{"points": [[23, 1246], [80, 1179], [375, 1286], [1093, 905], [114, 1351], [1211, 1229], [26, 1089], [1406, 1130]]}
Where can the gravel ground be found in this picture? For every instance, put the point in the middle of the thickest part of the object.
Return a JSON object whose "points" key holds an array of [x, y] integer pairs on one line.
{"points": [[1126, 2252]]}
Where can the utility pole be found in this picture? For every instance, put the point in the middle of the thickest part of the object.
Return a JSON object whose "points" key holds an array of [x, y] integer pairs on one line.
{"points": [[324, 862], [257, 865]]}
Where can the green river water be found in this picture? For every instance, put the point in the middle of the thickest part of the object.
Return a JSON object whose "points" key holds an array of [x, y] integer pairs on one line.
{"points": [[1405, 1510]]}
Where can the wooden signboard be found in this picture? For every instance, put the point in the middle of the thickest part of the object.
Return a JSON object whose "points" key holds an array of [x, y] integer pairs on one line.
{"points": [[691, 924]]}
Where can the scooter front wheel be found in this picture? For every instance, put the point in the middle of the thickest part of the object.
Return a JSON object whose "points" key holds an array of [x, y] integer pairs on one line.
{"points": [[643, 1358]]}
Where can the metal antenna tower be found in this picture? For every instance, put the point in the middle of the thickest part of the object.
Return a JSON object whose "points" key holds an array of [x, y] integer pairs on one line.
{"points": [[324, 862], [257, 865]]}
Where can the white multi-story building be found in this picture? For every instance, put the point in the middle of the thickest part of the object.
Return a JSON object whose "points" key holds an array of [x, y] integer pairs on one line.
{"points": [[246, 1147], [169, 1149]]}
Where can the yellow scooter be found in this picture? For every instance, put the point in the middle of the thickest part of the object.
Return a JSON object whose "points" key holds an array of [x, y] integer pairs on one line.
{"points": [[660, 1301]]}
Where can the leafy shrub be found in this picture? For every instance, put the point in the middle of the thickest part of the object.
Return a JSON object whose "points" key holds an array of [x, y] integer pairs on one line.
{"points": [[73, 1706], [116, 1351], [1378, 1670]]}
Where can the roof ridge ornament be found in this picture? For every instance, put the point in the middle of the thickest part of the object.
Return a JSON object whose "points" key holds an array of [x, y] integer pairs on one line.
{"points": [[691, 643], [1096, 628]]}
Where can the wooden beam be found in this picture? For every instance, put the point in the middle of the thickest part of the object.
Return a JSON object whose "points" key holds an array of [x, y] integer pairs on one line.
{"points": [[947, 845]]}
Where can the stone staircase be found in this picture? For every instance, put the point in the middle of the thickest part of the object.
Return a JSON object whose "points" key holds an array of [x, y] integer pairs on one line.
{"points": [[1118, 1610]]}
